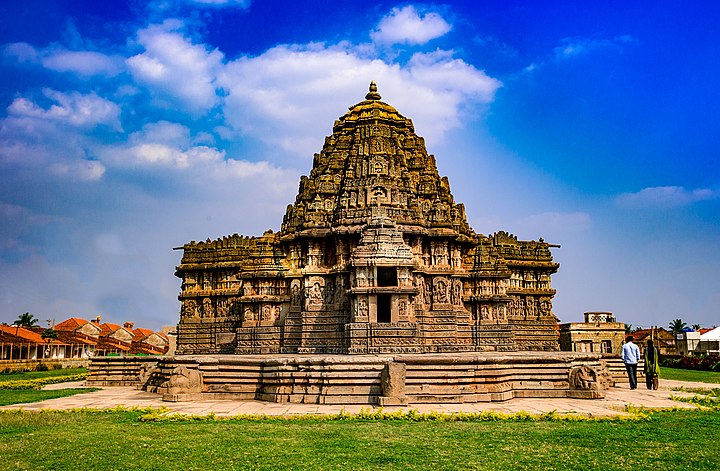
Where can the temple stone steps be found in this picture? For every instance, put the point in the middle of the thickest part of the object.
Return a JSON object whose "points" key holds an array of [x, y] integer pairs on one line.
{"points": [[365, 379]]}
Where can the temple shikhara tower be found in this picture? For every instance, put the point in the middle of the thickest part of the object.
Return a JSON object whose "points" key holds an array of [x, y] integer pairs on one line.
{"points": [[374, 256]]}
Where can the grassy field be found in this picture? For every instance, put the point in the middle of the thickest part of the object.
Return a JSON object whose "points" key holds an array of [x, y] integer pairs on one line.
{"points": [[30, 394], [40, 374], [690, 375], [675, 440]]}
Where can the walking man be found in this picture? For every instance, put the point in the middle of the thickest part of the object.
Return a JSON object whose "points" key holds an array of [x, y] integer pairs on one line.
{"points": [[631, 357]]}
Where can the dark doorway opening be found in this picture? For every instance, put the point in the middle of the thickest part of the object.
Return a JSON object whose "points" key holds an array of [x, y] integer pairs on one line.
{"points": [[387, 276], [383, 307]]}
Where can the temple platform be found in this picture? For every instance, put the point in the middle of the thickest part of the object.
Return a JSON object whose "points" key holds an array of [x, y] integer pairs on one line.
{"points": [[386, 380]]}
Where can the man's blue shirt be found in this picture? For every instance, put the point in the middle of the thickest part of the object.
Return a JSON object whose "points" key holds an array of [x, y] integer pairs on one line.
{"points": [[630, 353]]}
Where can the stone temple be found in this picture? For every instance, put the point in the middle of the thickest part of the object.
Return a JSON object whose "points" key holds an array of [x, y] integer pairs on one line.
{"points": [[373, 257]]}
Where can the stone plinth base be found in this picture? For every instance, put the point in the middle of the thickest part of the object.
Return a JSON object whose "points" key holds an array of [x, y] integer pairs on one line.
{"points": [[392, 401], [182, 397], [586, 394], [397, 379]]}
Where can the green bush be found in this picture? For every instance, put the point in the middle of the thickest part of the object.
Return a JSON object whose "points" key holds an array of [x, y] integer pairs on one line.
{"points": [[702, 362], [41, 367], [40, 382]]}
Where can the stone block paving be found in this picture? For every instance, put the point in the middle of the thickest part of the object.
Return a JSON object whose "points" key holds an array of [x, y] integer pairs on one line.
{"points": [[615, 403]]}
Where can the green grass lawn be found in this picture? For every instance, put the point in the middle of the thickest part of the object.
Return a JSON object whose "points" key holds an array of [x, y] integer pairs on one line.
{"points": [[118, 440], [40, 374], [689, 375], [21, 396]]}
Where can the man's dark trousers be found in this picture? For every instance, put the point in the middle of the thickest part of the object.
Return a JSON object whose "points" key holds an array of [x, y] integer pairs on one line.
{"points": [[632, 374]]}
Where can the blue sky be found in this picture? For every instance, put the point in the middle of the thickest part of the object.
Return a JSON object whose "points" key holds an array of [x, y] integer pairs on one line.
{"points": [[130, 129]]}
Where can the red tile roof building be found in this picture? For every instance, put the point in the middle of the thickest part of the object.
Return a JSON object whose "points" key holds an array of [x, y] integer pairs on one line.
{"points": [[79, 338]]}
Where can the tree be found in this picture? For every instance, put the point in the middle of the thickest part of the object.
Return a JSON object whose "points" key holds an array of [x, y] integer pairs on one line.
{"points": [[49, 334], [677, 326], [696, 327], [628, 328], [25, 320]]}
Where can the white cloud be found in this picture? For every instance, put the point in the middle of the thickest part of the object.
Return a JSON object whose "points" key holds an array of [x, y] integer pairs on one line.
{"points": [[23, 52], [162, 132], [74, 109], [175, 70], [153, 154], [52, 141], [85, 63], [82, 63], [79, 170], [164, 145], [290, 95], [666, 197], [406, 26], [574, 47]]}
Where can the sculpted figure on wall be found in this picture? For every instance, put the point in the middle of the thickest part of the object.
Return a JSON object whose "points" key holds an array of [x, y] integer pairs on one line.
{"points": [[501, 313], [266, 313], [222, 307], [545, 307], [295, 293], [315, 296], [531, 307], [362, 310], [329, 295], [440, 254], [248, 314], [457, 293], [419, 287], [207, 308], [440, 292], [189, 309]]}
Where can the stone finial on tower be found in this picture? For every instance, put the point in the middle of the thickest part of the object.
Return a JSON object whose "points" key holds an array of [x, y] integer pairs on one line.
{"points": [[373, 94]]}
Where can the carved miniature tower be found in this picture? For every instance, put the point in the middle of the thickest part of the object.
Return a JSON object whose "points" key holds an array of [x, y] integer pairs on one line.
{"points": [[374, 256]]}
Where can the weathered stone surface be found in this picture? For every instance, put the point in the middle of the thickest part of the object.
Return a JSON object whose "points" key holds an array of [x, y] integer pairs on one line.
{"points": [[373, 257], [184, 384], [392, 379], [393, 385]]}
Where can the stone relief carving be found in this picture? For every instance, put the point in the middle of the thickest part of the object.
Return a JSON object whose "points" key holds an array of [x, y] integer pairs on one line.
{"points": [[457, 293], [207, 308], [295, 293], [315, 294], [184, 381], [583, 377], [189, 309], [440, 291]]}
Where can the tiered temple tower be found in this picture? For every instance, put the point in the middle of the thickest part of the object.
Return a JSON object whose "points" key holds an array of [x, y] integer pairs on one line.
{"points": [[374, 256]]}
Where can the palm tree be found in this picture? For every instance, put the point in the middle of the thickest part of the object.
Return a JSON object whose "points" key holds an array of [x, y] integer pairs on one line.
{"points": [[677, 326], [25, 320], [628, 328], [696, 327]]}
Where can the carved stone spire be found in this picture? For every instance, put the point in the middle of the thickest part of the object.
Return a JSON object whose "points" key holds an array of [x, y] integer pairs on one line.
{"points": [[373, 94], [374, 160]]}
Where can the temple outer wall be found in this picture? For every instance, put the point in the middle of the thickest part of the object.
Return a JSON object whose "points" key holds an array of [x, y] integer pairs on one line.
{"points": [[396, 379]]}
